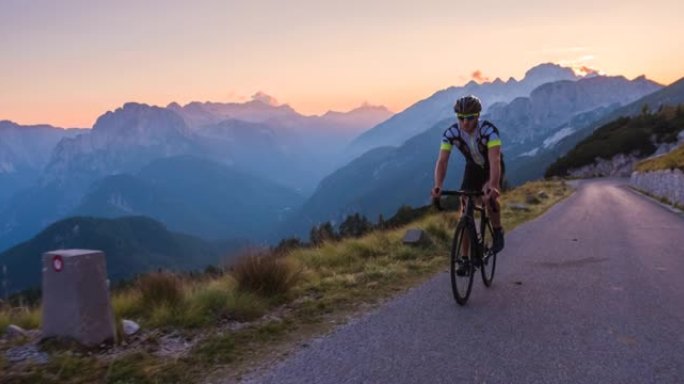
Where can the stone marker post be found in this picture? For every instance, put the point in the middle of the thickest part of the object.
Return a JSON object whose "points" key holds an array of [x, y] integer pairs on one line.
{"points": [[76, 297], [415, 236]]}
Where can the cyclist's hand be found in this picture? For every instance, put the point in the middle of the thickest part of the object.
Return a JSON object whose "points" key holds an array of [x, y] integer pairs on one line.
{"points": [[436, 192], [492, 193]]}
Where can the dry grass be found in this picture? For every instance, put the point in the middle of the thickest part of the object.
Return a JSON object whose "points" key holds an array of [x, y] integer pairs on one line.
{"points": [[128, 303], [24, 317], [261, 272], [160, 288], [511, 218], [671, 160], [216, 300], [163, 300], [245, 306]]}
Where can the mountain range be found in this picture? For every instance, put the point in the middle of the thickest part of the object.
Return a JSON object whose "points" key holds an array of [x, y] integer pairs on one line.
{"points": [[259, 171], [385, 178], [424, 114], [263, 165]]}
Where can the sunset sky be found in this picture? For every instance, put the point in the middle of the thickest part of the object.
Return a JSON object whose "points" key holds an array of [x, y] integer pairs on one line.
{"points": [[66, 62]]}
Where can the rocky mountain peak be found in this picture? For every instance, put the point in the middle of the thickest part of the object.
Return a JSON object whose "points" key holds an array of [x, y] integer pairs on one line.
{"points": [[549, 72], [140, 120]]}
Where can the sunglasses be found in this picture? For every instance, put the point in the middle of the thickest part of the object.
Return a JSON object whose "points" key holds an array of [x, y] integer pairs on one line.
{"points": [[469, 117]]}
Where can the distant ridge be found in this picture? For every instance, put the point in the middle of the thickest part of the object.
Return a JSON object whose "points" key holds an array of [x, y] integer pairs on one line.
{"points": [[132, 245]]}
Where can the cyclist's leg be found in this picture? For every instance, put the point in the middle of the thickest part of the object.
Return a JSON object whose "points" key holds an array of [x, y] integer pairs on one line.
{"points": [[494, 213], [474, 178], [465, 244]]}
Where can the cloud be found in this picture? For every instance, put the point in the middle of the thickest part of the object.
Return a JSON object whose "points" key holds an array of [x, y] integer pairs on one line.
{"points": [[264, 98], [580, 65], [586, 71], [479, 77]]}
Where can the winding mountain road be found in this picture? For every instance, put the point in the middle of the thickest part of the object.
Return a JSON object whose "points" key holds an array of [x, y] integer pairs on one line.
{"points": [[591, 292]]}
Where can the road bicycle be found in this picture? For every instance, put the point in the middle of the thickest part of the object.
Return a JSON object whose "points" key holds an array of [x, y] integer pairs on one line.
{"points": [[476, 253]]}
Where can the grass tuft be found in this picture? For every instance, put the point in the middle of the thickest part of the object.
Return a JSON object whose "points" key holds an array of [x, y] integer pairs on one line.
{"points": [[364, 249], [245, 306], [439, 231], [217, 350], [161, 315], [261, 272], [210, 300], [24, 317], [5, 321], [128, 304], [132, 368], [160, 288]]}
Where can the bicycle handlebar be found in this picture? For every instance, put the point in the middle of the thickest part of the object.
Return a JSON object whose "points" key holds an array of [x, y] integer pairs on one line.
{"points": [[438, 205], [462, 193]]}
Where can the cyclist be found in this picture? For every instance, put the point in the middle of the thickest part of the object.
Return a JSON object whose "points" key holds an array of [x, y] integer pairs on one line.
{"points": [[480, 144]]}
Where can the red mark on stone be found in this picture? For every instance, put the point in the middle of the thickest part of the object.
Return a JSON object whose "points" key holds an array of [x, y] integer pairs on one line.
{"points": [[57, 263]]}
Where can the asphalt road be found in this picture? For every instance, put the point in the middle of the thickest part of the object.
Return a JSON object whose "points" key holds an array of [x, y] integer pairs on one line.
{"points": [[591, 292]]}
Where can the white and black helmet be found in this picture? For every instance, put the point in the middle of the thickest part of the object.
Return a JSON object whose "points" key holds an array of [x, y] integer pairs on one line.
{"points": [[468, 105]]}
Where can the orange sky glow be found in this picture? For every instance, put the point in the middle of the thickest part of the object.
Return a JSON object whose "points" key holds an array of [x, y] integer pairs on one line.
{"points": [[66, 64]]}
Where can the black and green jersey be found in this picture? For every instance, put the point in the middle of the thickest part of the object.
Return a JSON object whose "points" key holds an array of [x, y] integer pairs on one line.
{"points": [[474, 147]]}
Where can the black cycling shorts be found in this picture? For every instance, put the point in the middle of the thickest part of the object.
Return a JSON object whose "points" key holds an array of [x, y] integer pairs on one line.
{"points": [[475, 177]]}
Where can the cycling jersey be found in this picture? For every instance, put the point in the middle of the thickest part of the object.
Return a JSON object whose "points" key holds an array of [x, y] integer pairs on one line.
{"points": [[474, 147]]}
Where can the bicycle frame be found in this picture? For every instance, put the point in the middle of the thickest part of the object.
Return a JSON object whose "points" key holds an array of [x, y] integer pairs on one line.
{"points": [[469, 215]]}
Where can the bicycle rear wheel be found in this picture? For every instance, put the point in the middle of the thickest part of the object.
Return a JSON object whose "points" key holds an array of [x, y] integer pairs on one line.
{"points": [[462, 268], [488, 257]]}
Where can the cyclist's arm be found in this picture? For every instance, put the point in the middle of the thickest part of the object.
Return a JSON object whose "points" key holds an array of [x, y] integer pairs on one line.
{"points": [[494, 154], [441, 167]]}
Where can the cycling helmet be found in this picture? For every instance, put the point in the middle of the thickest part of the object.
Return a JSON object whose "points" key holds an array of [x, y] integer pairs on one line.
{"points": [[467, 105]]}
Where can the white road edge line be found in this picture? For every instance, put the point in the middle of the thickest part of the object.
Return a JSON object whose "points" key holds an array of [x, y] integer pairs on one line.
{"points": [[669, 207]]}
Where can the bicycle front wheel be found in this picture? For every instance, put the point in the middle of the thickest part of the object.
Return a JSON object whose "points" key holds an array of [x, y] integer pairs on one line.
{"points": [[488, 257], [462, 268]]}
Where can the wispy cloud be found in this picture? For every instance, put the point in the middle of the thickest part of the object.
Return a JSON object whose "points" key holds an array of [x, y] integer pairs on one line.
{"points": [[586, 71], [479, 77], [265, 98], [582, 65]]}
